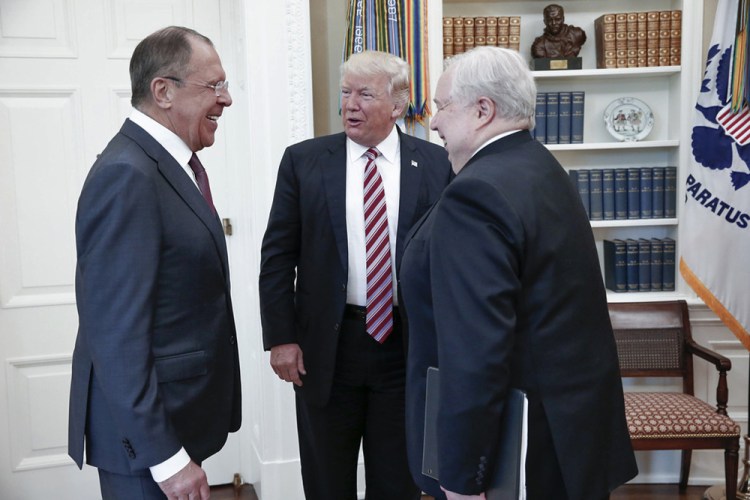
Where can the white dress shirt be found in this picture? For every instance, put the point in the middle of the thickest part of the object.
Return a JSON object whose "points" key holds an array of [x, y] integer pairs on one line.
{"points": [[181, 153], [389, 167]]}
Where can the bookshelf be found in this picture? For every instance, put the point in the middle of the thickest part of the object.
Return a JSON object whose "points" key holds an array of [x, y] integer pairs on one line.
{"points": [[669, 91]]}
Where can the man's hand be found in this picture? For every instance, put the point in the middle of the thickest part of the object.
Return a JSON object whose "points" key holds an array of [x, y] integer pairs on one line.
{"points": [[286, 361], [189, 483], [457, 496]]}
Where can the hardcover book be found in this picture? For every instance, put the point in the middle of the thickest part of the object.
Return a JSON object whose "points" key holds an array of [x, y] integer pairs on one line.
{"points": [[656, 264], [615, 272], [540, 118], [634, 193], [646, 187], [608, 193], [606, 50], [670, 192], [552, 117], [564, 117], [657, 192], [631, 264], [644, 265], [578, 99], [668, 269], [581, 181], [596, 194], [621, 193]]}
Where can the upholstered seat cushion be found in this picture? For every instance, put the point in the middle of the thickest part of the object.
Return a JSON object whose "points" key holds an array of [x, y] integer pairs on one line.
{"points": [[652, 415]]}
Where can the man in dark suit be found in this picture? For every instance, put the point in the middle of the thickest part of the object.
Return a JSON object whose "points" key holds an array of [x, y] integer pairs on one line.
{"points": [[501, 288], [348, 373], [155, 384]]}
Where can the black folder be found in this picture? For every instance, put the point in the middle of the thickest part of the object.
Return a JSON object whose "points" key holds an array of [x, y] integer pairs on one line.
{"points": [[507, 481]]}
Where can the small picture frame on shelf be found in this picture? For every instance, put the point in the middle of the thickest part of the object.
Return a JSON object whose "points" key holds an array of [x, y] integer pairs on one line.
{"points": [[628, 119]]}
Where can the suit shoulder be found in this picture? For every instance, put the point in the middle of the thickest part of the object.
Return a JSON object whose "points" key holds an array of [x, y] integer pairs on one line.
{"points": [[326, 142]]}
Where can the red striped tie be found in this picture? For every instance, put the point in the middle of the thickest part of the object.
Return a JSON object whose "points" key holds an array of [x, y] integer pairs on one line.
{"points": [[379, 284]]}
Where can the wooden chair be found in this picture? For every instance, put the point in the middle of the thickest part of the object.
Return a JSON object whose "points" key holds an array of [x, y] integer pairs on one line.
{"points": [[654, 340]]}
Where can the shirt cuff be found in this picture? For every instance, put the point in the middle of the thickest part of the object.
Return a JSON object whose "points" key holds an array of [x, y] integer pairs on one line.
{"points": [[170, 467]]}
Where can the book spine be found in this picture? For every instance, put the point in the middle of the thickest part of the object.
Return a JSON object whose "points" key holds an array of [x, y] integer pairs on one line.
{"points": [[448, 35], [606, 51], [634, 193], [615, 273], [581, 180], [631, 264], [468, 33], [596, 194], [675, 39], [656, 264], [646, 188], [644, 265], [657, 192], [670, 192], [458, 35], [563, 117], [608, 193], [668, 269], [632, 39], [665, 34], [642, 39], [621, 193], [652, 38], [578, 98], [621, 39], [552, 121], [540, 118], [514, 33], [503, 31], [492, 31]]}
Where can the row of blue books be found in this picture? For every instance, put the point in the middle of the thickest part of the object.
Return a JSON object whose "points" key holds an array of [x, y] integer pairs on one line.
{"points": [[642, 265], [627, 193], [559, 117]]}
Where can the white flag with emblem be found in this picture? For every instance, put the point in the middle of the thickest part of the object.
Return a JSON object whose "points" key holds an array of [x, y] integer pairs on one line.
{"points": [[715, 220]]}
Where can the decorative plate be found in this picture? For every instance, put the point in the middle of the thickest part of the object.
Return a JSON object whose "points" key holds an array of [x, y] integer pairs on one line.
{"points": [[628, 119]]}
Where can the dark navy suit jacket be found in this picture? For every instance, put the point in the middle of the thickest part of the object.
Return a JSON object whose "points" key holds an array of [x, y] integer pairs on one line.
{"points": [[155, 365], [306, 241], [501, 288]]}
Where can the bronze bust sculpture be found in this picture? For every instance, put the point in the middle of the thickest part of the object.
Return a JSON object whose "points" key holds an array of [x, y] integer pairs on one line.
{"points": [[559, 40]]}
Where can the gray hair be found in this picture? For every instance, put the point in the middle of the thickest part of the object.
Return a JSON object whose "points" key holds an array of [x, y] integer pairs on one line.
{"points": [[163, 53], [373, 63], [499, 74]]}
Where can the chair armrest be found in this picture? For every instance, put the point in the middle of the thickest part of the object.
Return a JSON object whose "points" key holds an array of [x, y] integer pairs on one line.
{"points": [[722, 364]]}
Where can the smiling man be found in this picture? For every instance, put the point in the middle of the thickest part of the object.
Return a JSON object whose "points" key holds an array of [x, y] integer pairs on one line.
{"points": [[155, 386], [342, 207], [502, 289]]}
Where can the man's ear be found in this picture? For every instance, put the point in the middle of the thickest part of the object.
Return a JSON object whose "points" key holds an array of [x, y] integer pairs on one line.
{"points": [[162, 93], [485, 109]]}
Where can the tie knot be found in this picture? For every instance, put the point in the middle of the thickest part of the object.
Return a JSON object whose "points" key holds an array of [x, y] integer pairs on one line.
{"points": [[371, 154], [196, 165]]}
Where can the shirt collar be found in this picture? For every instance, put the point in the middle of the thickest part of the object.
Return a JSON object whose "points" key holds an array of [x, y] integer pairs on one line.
{"points": [[168, 139], [388, 148], [493, 139]]}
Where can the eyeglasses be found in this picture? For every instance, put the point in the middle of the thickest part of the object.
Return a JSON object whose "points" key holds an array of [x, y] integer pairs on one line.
{"points": [[441, 108], [219, 88]]}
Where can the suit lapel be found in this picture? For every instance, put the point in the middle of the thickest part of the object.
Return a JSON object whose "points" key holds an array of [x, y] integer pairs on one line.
{"points": [[176, 176], [411, 177], [333, 168]]}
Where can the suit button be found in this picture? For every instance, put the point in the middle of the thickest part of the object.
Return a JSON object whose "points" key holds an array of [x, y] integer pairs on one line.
{"points": [[336, 327], [343, 287], [231, 340]]}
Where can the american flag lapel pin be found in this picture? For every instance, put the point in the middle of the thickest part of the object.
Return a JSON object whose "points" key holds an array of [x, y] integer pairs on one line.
{"points": [[414, 163]]}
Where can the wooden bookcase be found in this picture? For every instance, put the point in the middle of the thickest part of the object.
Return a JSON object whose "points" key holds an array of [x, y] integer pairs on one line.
{"points": [[670, 92]]}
